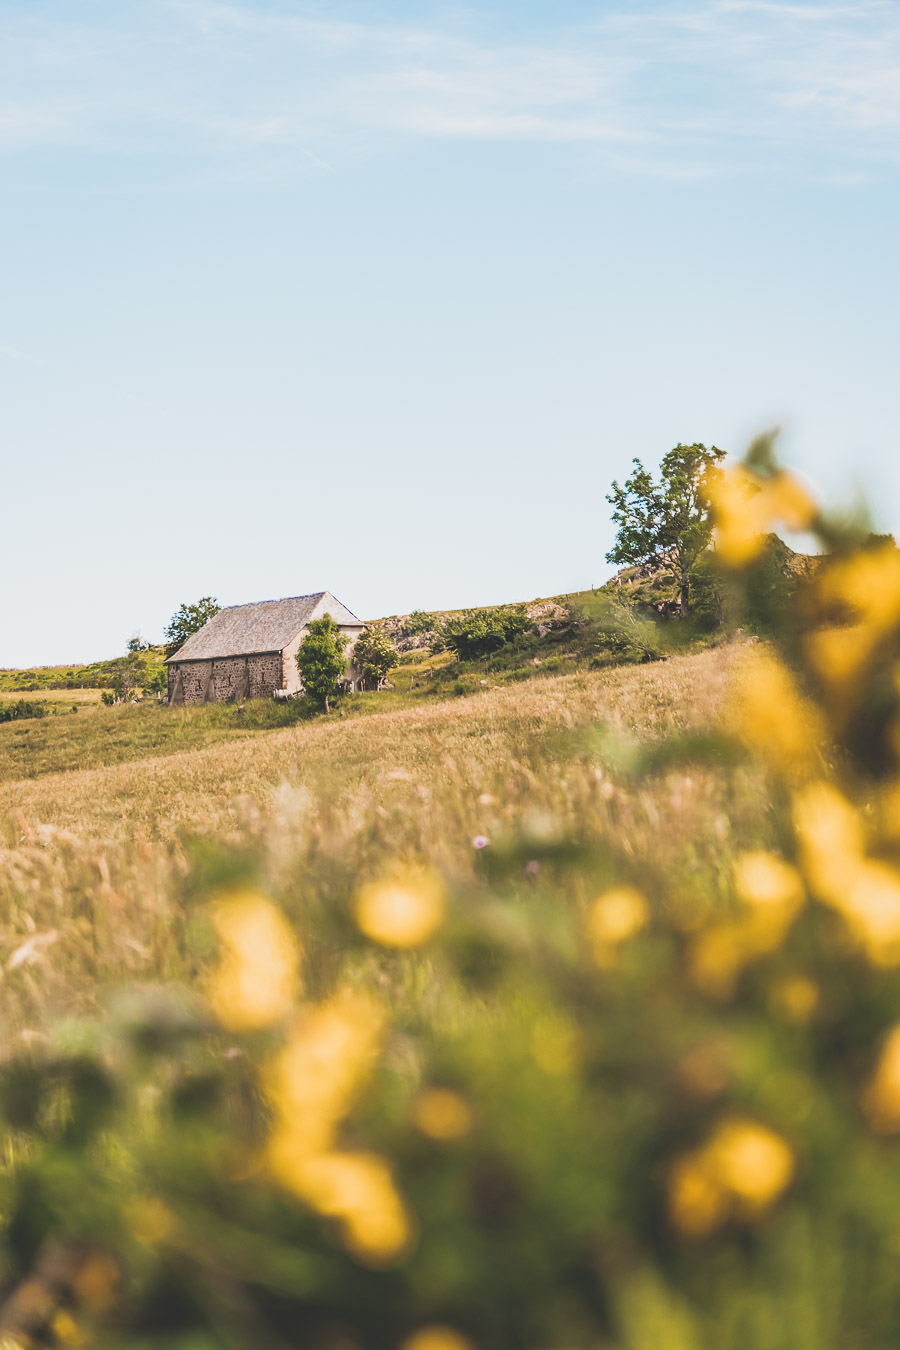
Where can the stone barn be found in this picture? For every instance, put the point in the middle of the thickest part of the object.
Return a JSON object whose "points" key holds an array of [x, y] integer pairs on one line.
{"points": [[249, 651]]}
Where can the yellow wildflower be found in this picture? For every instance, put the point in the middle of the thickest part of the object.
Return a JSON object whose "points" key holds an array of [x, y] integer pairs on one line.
{"points": [[442, 1114], [796, 997], [839, 654], [788, 502], [868, 582], [150, 1220], [697, 1203], [747, 506], [771, 716], [257, 978], [752, 1162], [881, 1098], [871, 906], [741, 1170], [614, 917], [312, 1081], [768, 884], [402, 911], [357, 1190], [865, 891], [66, 1329], [831, 836], [437, 1338], [740, 520], [716, 958], [772, 892]]}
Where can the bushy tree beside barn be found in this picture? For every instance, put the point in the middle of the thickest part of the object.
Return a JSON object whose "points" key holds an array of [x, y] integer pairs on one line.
{"points": [[374, 655], [321, 660]]}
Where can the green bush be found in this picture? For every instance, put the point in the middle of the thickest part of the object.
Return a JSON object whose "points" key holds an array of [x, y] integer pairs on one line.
{"points": [[419, 622], [480, 631], [22, 708]]}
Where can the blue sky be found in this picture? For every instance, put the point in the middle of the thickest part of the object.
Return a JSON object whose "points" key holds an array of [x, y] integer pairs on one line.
{"points": [[379, 298]]}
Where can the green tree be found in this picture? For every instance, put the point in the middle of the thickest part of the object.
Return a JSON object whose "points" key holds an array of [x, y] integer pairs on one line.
{"points": [[321, 660], [374, 655], [187, 620], [668, 523]]}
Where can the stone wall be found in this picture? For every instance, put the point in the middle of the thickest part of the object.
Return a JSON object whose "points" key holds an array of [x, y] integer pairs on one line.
{"points": [[226, 677]]}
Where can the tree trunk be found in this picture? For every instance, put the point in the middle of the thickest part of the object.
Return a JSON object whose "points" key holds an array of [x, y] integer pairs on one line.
{"points": [[684, 598], [327, 709]]}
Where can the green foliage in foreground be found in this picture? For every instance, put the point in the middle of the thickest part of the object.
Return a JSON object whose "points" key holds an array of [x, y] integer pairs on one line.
{"points": [[570, 1097]]}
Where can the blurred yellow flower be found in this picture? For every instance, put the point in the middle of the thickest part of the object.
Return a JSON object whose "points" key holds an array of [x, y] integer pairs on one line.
{"points": [[831, 836], [402, 911], [614, 917], [868, 582], [751, 1161], [747, 506], [772, 893], [258, 974], [697, 1203], [739, 517], [64, 1328], [865, 891], [715, 959], [881, 1098], [437, 1338], [741, 1170], [150, 1220], [839, 654], [312, 1081], [442, 1114], [358, 1191], [796, 997], [767, 883], [788, 502], [771, 717]]}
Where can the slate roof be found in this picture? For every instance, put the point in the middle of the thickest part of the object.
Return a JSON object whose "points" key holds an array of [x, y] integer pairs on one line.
{"points": [[265, 626]]}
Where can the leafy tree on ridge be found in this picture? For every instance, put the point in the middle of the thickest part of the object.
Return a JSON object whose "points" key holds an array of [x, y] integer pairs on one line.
{"points": [[668, 523]]}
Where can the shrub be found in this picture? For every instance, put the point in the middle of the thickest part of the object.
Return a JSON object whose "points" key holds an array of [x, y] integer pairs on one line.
{"points": [[420, 622], [480, 631], [22, 708], [374, 655]]}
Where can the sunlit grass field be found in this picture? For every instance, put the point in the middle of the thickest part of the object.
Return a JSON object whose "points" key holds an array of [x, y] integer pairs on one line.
{"points": [[95, 854], [520, 1009]]}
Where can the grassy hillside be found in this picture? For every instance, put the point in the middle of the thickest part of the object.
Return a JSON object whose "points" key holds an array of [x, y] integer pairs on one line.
{"points": [[562, 1014], [590, 631]]}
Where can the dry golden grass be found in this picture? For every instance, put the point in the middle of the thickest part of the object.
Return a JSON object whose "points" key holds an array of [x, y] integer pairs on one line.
{"points": [[64, 696], [95, 869]]}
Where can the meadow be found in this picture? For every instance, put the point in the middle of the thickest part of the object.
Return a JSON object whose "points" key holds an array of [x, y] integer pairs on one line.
{"points": [[523, 1011]]}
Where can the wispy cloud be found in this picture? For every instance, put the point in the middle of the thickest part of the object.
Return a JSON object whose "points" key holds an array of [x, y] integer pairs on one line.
{"points": [[677, 88]]}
